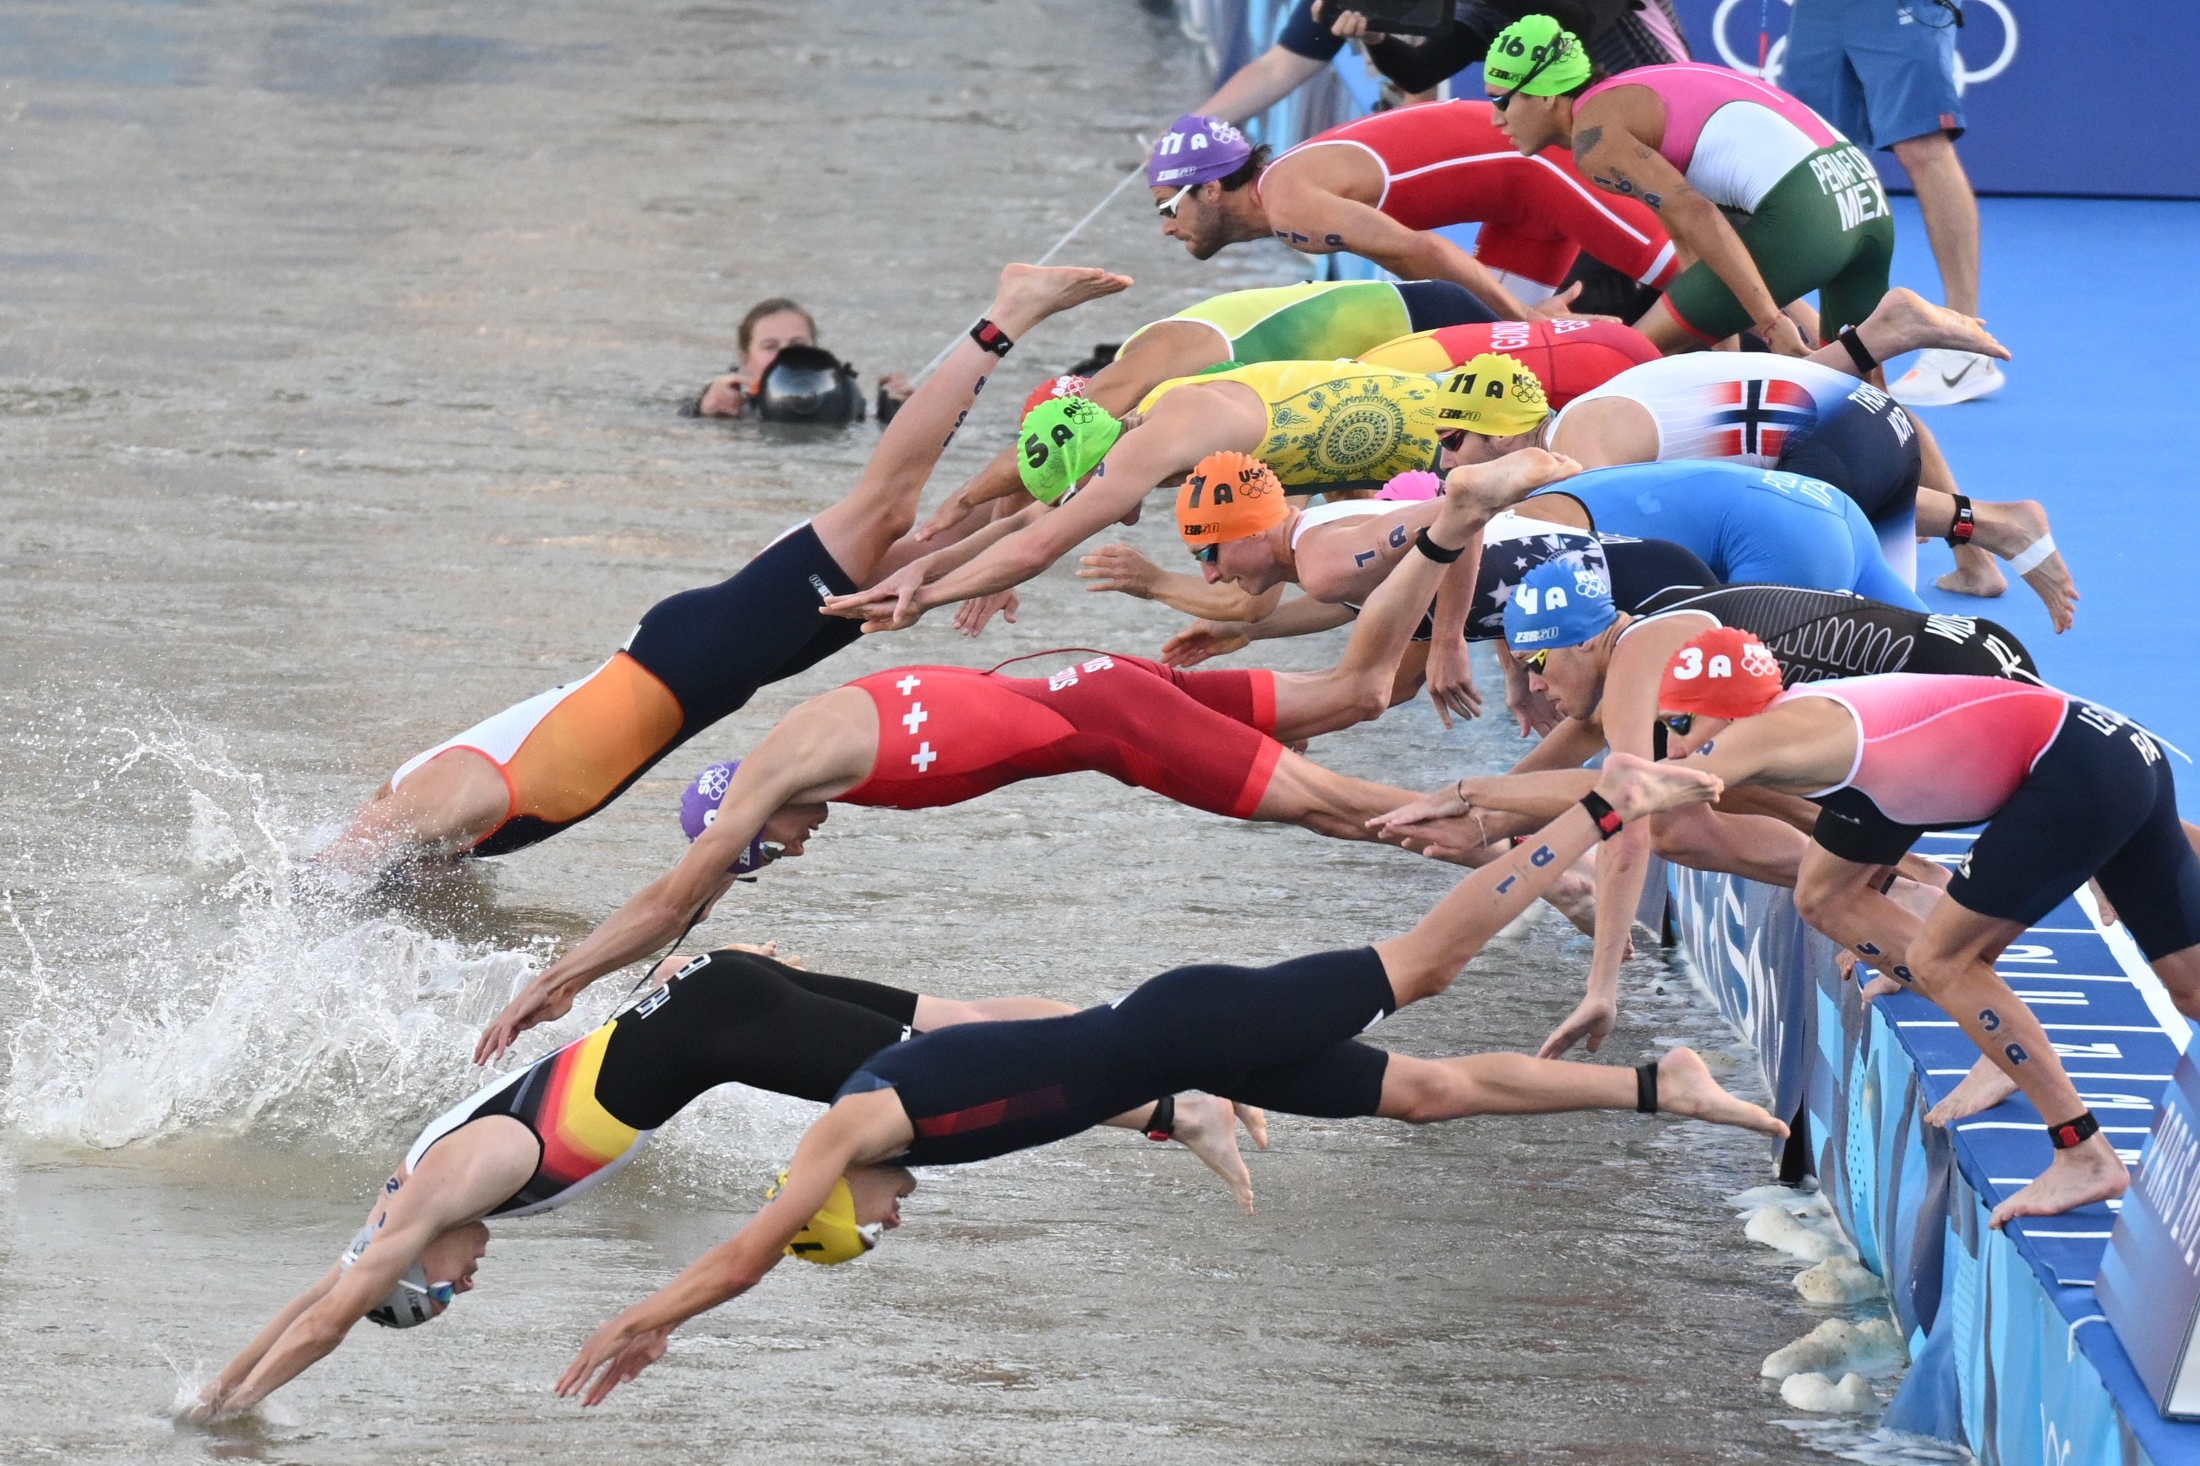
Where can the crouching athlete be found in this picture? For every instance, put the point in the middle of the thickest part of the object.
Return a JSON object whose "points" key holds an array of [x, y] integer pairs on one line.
{"points": [[1284, 1037], [927, 737], [531, 1141], [550, 762]]}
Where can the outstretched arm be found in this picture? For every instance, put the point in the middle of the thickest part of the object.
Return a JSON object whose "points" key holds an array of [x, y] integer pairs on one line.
{"points": [[857, 1129], [1122, 568]]}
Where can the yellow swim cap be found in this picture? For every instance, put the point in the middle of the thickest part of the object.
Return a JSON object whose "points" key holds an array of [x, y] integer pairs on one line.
{"points": [[832, 1235], [1494, 394]]}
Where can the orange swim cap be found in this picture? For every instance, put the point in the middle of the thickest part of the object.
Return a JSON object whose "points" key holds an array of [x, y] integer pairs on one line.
{"points": [[1228, 496], [1720, 673]]}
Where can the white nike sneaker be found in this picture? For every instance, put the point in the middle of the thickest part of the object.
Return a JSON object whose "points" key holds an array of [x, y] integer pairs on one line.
{"points": [[1943, 378]]}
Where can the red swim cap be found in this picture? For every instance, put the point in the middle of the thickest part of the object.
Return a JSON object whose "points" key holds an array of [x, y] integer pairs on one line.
{"points": [[1069, 384], [1721, 673]]}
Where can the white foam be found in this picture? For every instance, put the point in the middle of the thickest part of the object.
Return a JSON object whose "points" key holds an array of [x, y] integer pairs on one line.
{"points": [[1838, 1281], [1852, 1396], [1794, 1233], [1872, 1348]]}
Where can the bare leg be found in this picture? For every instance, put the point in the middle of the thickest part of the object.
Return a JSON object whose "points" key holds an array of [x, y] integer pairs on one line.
{"points": [[1666, 332], [882, 507], [1207, 1127], [2005, 528], [1944, 197], [444, 806], [1425, 960], [1952, 960], [1421, 1091]]}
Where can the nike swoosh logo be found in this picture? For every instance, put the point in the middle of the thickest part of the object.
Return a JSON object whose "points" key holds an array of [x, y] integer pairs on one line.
{"points": [[1948, 381]]}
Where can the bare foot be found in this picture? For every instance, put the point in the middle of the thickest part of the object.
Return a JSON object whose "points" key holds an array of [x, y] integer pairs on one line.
{"points": [[1881, 986], [1685, 1087], [1028, 294], [2085, 1173], [1907, 321], [2008, 528], [1976, 574], [1489, 487], [1635, 787], [1207, 1127], [1983, 1088]]}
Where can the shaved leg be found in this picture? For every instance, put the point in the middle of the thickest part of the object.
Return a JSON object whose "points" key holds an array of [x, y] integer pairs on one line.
{"points": [[446, 804], [1906, 321], [1666, 332], [1421, 1091], [882, 507], [1604, 431]]}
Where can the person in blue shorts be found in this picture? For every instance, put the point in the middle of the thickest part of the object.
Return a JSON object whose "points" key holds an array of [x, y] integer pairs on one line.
{"points": [[1750, 525], [1884, 73]]}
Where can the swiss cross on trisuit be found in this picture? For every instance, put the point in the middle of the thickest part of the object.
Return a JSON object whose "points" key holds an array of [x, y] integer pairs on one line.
{"points": [[1757, 417], [916, 717]]}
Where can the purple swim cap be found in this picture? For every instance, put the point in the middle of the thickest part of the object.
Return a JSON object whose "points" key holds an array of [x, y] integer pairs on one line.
{"points": [[1196, 150], [699, 809]]}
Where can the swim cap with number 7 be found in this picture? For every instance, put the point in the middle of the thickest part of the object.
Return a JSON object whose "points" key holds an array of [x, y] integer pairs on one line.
{"points": [[1228, 496]]}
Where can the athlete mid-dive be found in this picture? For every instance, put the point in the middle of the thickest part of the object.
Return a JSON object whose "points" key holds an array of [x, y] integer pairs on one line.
{"points": [[1600, 663], [533, 1140], [927, 737], [1284, 1037], [1381, 186], [552, 761]]}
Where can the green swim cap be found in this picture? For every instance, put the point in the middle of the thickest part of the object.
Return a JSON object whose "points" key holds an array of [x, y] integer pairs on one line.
{"points": [[1519, 55], [1061, 441]]}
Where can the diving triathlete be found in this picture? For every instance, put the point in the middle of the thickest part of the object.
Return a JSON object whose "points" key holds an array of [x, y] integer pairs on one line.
{"points": [[1569, 356], [1704, 146], [1747, 524], [2068, 791], [531, 1141], [1600, 663], [1284, 1037], [552, 761], [927, 737], [1325, 320], [1813, 417], [1321, 426], [1380, 186]]}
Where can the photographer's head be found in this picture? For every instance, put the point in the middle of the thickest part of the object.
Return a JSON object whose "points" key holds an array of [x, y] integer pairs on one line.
{"points": [[769, 328]]}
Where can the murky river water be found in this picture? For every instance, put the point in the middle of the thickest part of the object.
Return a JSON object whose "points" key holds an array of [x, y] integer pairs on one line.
{"points": [[340, 348]]}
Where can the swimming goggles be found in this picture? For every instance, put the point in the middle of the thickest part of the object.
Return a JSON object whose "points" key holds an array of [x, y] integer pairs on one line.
{"points": [[1535, 661], [1679, 723], [1207, 554], [1556, 50], [1451, 440], [1168, 210]]}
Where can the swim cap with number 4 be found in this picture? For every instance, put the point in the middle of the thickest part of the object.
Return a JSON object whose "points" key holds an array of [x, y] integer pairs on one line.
{"points": [[1523, 56], [1228, 496], [1494, 394], [1720, 673], [1558, 604], [1062, 440]]}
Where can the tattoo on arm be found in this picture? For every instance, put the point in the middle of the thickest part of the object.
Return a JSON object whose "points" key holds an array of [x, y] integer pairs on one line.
{"points": [[1586, 140]]}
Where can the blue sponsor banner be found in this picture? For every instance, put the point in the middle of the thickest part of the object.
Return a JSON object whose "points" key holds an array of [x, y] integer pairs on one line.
{"points": [[2011, 1351], [2058, 97]]}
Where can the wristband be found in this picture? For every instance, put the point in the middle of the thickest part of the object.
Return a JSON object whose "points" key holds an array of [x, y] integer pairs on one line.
{"points": [[1434, 551], [1646, 1088], [1965, 525], [1607, 818], [1865, 364], [991, 337], [1163, 1124], [2073, 1133]]}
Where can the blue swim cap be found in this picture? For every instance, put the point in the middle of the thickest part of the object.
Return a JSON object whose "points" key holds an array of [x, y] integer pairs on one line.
{"points": [[699, 810], [1557, 605]]}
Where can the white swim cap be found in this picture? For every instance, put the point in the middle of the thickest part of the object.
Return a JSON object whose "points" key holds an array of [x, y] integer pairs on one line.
{"points": [[412, 1302]]}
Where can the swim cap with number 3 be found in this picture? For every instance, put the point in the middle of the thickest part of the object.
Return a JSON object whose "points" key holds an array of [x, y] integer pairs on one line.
{"points": [[1720, 673]]}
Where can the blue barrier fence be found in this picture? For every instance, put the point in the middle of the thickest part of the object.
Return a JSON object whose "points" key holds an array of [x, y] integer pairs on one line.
{"points": [[2010, 1352]]}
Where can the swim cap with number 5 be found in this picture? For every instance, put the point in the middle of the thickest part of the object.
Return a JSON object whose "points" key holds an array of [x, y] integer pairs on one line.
{"points": [[1061, 441]]}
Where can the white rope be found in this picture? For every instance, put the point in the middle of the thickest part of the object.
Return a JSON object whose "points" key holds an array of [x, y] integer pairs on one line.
{"points": [[1074, 230]]}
